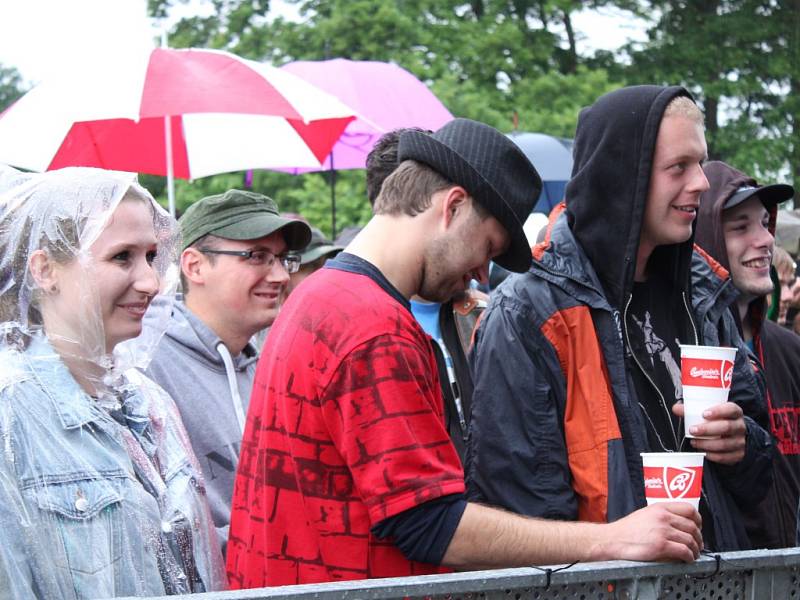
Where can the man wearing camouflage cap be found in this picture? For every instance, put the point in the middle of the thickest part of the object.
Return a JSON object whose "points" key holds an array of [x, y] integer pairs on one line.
{"points": [[237, 255]]}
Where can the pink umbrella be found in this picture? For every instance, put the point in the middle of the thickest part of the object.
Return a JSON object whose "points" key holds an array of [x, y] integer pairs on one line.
{"points": [[384, 96], [224, 113]]}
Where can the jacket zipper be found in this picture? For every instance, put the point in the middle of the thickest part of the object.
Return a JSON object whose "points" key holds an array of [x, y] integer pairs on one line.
{"points": [[691, 320], [652, 383], [627, 337]]}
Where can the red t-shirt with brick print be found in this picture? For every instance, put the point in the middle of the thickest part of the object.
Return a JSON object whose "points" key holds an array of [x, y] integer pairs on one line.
{"points": [[344, 429]]}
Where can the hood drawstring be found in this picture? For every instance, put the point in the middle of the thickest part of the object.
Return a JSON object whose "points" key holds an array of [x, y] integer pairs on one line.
{"points": [[236, 399]]}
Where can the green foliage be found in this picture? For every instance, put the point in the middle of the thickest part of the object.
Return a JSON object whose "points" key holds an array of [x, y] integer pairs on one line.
{"points": [[489, 60], [308, 194], [11, 86], [551, 103], [741, 60], [508, 62], [311, 197]]}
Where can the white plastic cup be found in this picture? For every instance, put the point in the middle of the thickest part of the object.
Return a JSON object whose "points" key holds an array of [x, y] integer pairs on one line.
{"points": [[673, 477], [706, 373]]}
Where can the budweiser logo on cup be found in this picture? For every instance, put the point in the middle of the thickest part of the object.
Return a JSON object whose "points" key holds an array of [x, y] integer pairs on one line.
{"points": [[673, 476], [706, 374]]}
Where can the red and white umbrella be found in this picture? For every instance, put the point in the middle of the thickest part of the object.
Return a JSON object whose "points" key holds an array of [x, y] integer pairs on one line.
{"points": [[225, 114]]}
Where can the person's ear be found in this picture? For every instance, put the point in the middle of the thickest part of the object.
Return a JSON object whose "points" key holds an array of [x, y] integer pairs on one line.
{"points": [[44, 271], [193, 264], [456, 201]]}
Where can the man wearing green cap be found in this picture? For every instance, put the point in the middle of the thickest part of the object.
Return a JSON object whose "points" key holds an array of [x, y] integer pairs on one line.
{"points": [[235, 265]]}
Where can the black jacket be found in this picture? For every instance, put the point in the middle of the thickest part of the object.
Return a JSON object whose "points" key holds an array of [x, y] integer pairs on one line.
{"points": [[556, 428], [772, 524]]}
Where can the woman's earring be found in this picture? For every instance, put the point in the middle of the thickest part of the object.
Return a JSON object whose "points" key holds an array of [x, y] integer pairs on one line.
{"points": [[54, 289]]}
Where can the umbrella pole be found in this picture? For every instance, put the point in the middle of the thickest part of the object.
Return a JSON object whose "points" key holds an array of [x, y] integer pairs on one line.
{"points": [[168, 148], [168, 144], [170, 174], [333, 199]]}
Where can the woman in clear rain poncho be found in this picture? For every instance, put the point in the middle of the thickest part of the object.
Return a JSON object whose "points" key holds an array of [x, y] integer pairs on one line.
{"points": [[100, 494]]}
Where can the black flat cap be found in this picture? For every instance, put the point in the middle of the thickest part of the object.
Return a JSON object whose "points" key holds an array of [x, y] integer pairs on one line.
{"points": [[491, 168]]}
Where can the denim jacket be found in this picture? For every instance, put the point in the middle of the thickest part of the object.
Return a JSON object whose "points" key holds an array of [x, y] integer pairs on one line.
{"points": [[96, 500]]}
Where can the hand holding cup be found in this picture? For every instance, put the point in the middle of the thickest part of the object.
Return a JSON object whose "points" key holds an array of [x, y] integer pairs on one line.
{"points": [[672, 477], [715, 425], [706, 375], [721, 434]]}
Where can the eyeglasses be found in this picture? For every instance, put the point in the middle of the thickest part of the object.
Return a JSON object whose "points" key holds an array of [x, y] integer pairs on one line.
{"points": [[262, 258]]}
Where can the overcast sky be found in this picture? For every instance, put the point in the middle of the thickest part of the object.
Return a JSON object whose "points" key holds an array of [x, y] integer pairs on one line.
{"points": [[44, 37]]}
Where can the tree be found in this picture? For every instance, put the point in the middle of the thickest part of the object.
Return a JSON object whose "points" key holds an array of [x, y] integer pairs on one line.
{"points": [[509, 63], [11, 86], [746, 77]]}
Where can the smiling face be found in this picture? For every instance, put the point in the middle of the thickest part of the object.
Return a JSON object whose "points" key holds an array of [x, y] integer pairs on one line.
{"points": [[239, 297], [749, 244], [102, 295], [676, 182]]}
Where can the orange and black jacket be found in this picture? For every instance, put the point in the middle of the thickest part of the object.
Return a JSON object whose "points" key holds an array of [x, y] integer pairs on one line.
{"points": [[556, 426]]}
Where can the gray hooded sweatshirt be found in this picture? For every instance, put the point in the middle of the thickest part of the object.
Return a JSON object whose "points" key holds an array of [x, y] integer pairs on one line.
{"points": [[212, 391]]}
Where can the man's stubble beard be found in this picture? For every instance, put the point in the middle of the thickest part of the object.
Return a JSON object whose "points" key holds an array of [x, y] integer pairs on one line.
{"points": [[433, 280]]}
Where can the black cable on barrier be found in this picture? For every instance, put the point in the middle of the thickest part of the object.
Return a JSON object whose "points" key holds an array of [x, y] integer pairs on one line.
{"points": [[716, 556], [549, 572], [718, 560]]}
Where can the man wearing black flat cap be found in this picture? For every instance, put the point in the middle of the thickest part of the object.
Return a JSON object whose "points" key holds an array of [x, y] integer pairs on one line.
{"points": [[736, 226], [450, 324], [347, 470], [576, 362]]}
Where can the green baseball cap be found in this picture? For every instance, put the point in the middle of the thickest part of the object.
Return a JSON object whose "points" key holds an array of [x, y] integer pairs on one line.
{"points": [[318, 247], [240, 215]]}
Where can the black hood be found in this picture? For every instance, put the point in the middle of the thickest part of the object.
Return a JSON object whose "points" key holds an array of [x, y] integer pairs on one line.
{"points": [[607, 194], [724, 181]]}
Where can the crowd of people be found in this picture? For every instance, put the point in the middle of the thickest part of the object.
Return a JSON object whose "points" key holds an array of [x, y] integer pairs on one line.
{"points": [[233, 401]]}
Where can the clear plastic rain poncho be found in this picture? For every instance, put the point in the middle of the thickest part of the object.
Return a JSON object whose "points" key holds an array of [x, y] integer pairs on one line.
{"points": [[100, 494]]}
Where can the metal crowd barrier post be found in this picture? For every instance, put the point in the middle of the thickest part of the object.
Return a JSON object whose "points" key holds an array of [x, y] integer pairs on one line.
{"points": [[752, 575]]}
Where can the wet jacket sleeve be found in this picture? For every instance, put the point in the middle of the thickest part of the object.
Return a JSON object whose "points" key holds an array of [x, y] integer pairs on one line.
{"points": [[188, 528], [26, 546], [750, 479], [517, 457], [15, 573]]}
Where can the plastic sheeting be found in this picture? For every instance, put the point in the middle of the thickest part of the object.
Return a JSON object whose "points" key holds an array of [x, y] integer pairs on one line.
{"points": [[100, 494]]}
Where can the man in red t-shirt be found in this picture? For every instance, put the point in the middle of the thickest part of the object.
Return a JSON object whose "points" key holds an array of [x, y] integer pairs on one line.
{"points": [[346, 468]]}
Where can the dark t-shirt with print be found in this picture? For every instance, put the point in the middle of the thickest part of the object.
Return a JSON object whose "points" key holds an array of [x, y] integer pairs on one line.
{"points": [[653, 338]]}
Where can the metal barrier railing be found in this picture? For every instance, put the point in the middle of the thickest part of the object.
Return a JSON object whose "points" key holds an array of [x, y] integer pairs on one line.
{"points": [[753, 575]]}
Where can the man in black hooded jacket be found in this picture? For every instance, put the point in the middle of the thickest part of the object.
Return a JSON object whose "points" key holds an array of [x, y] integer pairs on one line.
{"points": [[736, 225], [576, 363]]}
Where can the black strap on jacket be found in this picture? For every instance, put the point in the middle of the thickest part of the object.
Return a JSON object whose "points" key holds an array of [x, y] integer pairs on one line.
{"points": [[451, 415], [453, 342]]}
